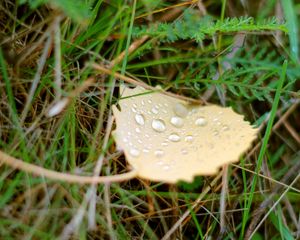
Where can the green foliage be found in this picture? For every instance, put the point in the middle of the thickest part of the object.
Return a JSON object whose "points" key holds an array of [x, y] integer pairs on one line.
{"points": [[77, 10], [193, 27], [253, 74], [190, 187]]}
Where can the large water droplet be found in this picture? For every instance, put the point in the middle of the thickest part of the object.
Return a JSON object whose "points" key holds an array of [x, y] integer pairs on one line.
{"points": [[134, 152], [177, 121], [180, 110], [159, 153], [174, 137], [189, 138], [158, 125], [201, 121], [139, 118]]}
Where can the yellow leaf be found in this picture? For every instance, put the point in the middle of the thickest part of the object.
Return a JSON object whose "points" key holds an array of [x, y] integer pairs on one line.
{"points": [[166, 139]]}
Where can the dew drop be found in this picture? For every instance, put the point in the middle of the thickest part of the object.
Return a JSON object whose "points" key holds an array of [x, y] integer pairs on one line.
{"points": [[177, 121], [160, 163], [149, 101], [159, 153], [164, 144], [180, 110], [133, 110], [143, 103], [158, 125], [189, 138], [225, 127], [139, 118], [134, 105], [154, 110], [138, 130], [201, 121], [174, 137], [166, 167], [125, 140], [134, 152], [184, 151], [216, 133], [145, 150]]}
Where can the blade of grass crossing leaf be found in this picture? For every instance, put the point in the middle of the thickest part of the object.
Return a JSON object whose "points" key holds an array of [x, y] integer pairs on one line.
{"points": [[291, 19], [263, 149]]}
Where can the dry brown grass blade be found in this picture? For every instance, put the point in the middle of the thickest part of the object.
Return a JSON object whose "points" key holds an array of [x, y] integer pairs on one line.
{"points": [[141, 84], [59, 176], [257, 214]]}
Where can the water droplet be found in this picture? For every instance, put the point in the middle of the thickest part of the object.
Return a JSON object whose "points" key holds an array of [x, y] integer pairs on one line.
{"points": [[225, 127], [154, 110], [166, 105], [143, 103], [140, 141], [189, 138], [139, 118], [145, 150], [166, 167], [160, 163], [177, 121], [180, 110], [158, 125], [134, 105], [133, 109], [147, 136], [164, 144], [134, 152], [174, 137], [159, 153], [184, 151], [201, 121], [216, 133], [149, 101], [125, 140], [138, 130]]}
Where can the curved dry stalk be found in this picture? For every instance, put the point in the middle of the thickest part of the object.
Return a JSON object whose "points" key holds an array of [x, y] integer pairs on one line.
{"points": [[141, 84], [66, 177]]}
